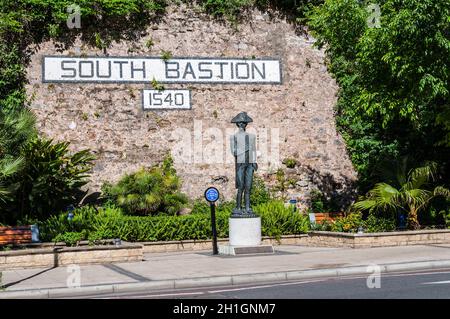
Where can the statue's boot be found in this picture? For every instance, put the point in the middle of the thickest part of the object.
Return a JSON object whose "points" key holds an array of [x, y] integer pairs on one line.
{"points": [[247, 202], [238, 210]]}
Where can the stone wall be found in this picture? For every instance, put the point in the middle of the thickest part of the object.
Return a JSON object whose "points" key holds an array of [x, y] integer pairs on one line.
{"points": [[369, 240], [53, 257], [108, 118]]}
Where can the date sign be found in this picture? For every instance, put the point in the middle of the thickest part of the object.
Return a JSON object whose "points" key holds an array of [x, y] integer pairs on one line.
{"points": [[166, 100]]}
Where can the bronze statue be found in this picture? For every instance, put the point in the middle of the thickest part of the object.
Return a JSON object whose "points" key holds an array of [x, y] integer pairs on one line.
{"points": [[243, 148]]}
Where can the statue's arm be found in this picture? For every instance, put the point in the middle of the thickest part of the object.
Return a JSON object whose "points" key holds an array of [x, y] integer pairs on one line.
{"points": [[232, 145], [253, 151]]}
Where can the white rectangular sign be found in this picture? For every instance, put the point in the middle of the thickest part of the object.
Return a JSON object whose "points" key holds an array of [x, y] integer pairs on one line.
{"points": [[166, 100], [175, 70]]}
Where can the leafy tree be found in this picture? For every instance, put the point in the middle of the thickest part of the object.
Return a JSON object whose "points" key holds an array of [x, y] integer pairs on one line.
{"points": [[394, 80], [148, 191], [412, 193]]}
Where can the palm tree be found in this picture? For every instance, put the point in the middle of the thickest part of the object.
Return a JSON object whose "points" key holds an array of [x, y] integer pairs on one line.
{"points": [[412, 195], [16, 128]]}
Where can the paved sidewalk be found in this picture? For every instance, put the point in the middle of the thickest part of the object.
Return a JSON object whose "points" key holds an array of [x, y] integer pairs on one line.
{"points": [[189, 267]]}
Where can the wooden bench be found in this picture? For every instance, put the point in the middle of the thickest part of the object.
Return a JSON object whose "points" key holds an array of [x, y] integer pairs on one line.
{"points": [[329, 217], [15, 235]]}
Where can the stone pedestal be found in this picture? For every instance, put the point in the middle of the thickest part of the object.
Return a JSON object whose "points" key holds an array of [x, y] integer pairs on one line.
{"points": [[245, 238], [245, 231]]}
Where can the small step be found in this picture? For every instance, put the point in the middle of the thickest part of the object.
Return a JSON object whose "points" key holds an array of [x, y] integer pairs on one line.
{"points": [[245, 250]]}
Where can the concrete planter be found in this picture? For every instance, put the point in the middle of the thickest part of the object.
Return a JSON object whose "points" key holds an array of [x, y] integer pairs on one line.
{"points": [[386, 239], [51, 255]]}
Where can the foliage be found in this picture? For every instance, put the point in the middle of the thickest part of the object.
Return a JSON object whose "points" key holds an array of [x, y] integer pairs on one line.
{"points": [[320, 203], [148, 191], [149, 43], [349, 223], [375, 224], [109, 223], [290, 162], [166, 55], [259, 194], [50, 179], [447, 219], [277, 219], [70, 238], [156, 85], [85, 218], [412, 194], [282, 182], [16, 128], [230, 9], [352, 222], [394, 80], [234, 10], [200, 206], [49, 17]]}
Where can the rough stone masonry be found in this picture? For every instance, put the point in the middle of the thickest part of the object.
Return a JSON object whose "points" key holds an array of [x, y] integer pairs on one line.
{"points": [[293, 119]]}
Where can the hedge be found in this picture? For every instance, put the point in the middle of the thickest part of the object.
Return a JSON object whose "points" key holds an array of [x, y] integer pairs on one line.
{"points": [[109, 222]]}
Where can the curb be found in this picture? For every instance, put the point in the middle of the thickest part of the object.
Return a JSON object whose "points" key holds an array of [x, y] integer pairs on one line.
{"points": [[219, 280]]}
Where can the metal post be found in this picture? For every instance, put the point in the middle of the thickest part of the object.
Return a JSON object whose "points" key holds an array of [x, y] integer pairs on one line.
{"points": [[213, 226]]}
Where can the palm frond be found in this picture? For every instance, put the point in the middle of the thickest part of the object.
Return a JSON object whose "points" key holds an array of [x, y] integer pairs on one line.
{"points": [[416, 197], [442, 191], [363, 205], [382, 197], [4, 194], [10, 167], [420, 176], [25, 123]]}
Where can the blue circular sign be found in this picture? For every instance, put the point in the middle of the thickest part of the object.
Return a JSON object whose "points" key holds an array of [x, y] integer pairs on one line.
{"points": [[212, 194]]}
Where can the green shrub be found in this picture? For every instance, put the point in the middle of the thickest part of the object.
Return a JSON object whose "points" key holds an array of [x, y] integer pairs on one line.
{"points": [[51, 178], [290, 162], [85, 218], [447, 220], [70, 238], [317, 199], [320, 202], [97, 236], [16, 129], [230, 9], [148, 191], [277, 219], [374, 224], [322, 226], [109, 223], [259, 194], [200, 206], [349, 223]]}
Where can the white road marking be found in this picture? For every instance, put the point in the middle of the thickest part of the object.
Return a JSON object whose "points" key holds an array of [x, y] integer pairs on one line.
{"points": [[437, 282], [289, 283], [265, 286], [160, 295]]}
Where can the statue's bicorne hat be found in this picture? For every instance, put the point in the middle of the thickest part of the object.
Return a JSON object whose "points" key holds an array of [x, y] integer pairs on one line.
{"points": [[242, 118]]}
